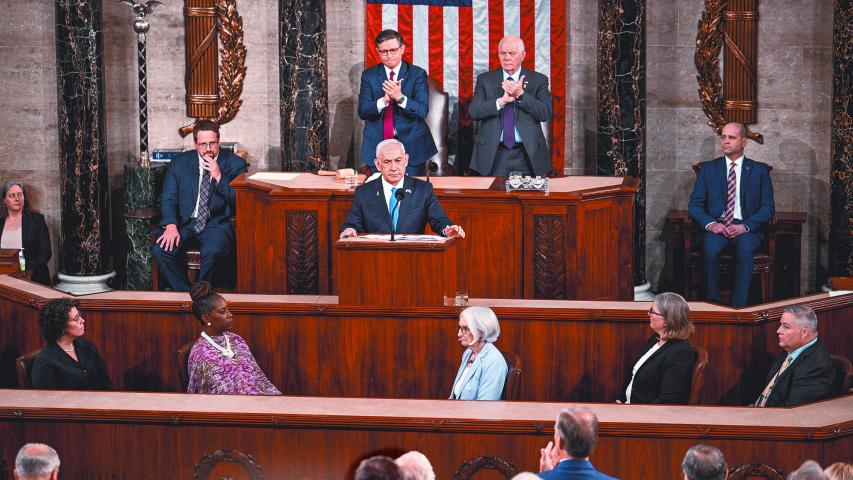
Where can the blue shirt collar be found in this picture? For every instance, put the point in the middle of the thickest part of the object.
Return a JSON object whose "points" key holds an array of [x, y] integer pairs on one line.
{"points": [[796, 353]]}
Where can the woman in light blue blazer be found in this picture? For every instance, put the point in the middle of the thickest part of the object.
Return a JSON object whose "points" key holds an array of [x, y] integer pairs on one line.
{"points": [[483, 370]]}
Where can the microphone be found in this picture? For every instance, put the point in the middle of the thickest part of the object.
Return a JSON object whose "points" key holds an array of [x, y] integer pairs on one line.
{"points": [[399, 196], [431, 167]]}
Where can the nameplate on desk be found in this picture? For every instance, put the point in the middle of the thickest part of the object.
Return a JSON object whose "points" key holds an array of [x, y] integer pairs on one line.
{"points": [[274, 176]]}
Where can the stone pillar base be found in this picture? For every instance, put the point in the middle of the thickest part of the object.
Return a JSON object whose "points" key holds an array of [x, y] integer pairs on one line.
{"points": [[643, 293], [84, 285]]}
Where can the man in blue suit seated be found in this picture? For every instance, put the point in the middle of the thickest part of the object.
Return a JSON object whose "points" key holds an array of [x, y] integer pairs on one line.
{"points": [[197, 205], [575, 437], [393, 101], [733, 200], [413, 201]]}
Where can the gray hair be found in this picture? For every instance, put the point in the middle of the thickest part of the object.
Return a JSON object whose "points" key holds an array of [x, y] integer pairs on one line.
{"points": [[577, 428], [389, 141], [526, 476], [415, 465], [809, 470], [483, 323], [704, 462], [804, 315], [36, 460]]}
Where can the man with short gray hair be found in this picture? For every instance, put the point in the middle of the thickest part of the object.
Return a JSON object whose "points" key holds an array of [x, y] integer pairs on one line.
{"points": [[704, 462], [804, 372], [809, 470], [575, 437], [415, 465], [36, 461]]}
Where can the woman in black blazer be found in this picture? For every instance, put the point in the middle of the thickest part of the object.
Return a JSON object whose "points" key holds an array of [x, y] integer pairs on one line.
{"points": [[34, 236], [663, 371], [68, 362]]}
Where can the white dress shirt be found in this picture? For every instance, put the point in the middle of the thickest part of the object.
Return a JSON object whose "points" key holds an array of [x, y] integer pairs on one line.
{"points": [[386, 189], [738, 167], [380, 104]]}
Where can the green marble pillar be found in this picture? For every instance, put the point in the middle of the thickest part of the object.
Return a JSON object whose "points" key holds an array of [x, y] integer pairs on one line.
{"points": [[142, 191]]}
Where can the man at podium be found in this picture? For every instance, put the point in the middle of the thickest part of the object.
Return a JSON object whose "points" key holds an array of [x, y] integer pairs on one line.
{"points": [[396, 202]]}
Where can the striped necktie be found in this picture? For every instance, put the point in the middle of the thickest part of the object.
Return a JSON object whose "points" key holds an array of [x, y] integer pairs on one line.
{"points": [[731, 194], [203, 200], [762, 399]]}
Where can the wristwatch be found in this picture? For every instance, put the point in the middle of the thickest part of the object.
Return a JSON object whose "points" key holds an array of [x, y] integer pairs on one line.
{"points": [[401, 99]]}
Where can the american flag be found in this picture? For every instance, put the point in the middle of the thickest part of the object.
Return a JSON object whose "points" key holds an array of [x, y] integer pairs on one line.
{"points": [[456, 40]]}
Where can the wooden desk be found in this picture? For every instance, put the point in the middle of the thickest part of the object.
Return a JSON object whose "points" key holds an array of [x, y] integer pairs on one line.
{"points": [[310, 345], [575, 242], [9, 262], [136, 436]]}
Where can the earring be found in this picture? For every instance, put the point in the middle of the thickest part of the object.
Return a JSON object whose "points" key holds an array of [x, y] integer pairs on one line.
{"points": [[208, 324]]}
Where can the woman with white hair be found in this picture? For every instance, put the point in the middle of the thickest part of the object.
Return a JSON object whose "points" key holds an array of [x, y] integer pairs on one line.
{"points": [[483, 370]]}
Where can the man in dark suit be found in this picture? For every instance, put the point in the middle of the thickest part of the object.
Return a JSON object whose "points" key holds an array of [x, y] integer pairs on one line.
{"points": [[567, 457], [804, 373], [510, 103], [733, 200], [197, 205], [393, 101], [373, 202]]}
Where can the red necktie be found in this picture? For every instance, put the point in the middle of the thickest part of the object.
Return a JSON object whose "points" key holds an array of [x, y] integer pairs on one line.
{"points": [[388, 122]]}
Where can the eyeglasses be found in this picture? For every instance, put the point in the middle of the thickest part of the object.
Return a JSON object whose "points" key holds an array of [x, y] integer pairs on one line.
{"points": [[78, 319], [390, 52], [463, 329], [653, 312], [207, 145]]}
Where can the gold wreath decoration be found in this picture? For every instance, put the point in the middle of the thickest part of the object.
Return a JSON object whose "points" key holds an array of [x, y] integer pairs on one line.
{"points": [[708, 46], [232, 65]]}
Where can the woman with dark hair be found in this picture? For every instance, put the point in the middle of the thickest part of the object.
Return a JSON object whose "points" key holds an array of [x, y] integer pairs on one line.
{"points": [[68, 362], [220, 361], [663, 372], [23, 228]]}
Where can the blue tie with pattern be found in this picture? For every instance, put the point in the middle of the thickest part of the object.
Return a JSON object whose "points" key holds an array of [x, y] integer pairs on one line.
{"points": [[392, 202]]}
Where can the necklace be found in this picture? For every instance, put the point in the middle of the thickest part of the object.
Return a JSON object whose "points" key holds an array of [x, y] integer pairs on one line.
{"points": [[227, 351]]}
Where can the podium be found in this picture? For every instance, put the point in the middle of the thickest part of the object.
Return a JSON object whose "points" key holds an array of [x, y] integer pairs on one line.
{"points": [[374, 271]]}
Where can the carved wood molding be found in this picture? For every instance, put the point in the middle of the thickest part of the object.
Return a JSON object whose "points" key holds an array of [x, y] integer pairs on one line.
{"points": [[709, 40], [232, 66], [471, 467], [752, 470], [549, 257], [246, 465], [302, 253]]}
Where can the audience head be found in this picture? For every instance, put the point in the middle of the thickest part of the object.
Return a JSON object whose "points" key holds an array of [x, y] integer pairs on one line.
{"points": [[704, 462], [526, 476], [14, 198], [669, 316], [733, 140], [391, 160], [61, 317], [839, 471], [206, 138], [414, 466], [477, 324], [809, 470], [797, 327], [378, 467], [210, 309], [511, 53], [576, 432], [390, 47], [36, 461]]}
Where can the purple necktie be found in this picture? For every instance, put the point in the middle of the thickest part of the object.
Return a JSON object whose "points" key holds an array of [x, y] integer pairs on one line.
{"points": [[509, 124]]}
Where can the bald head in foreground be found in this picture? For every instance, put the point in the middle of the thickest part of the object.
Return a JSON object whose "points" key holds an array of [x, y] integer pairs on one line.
{"points": [[36, 461]]}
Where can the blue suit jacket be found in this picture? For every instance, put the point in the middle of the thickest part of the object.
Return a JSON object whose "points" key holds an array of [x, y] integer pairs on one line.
{"points": [[180, 191], [488, 374], [574, 470], [708, 200], [369, 212], [409, 123]]}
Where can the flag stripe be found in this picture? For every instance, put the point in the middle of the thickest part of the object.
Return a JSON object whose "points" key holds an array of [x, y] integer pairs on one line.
{"points": [[373, 25], [436, 45], [542, 54], [389, 16], [404, 26], [496, 31], [558, 82], [480, 13], [528, 34], [420, 17], [512, 23], [451, 52], [466, 52]]}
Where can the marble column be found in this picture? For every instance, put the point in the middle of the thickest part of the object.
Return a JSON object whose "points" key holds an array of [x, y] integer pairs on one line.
{"points": [[841, 150], [303, 85], [622, 110], [84, 189]]}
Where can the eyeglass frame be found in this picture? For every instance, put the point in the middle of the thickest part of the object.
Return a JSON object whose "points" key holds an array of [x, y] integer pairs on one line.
{"points": [[653, 312], [390, 52], [464, 329]]}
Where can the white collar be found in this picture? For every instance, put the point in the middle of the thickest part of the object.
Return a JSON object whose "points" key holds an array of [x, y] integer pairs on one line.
{"points": [[515, 76], [396, 71]]}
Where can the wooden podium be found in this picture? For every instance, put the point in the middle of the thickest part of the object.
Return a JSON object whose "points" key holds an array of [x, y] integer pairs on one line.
{"points": [[374, 271]]}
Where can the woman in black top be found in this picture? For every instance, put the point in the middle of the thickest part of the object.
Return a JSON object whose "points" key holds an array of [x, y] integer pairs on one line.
{"points": [[22, 227], [662, 373], [68, 362]]}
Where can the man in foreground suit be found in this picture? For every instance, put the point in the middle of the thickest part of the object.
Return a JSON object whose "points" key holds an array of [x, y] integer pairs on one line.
{"points": [[733, 200], [197, 205], [704, 462], [804, 373], [510, 103], [575, 437], [393, 101], [373, 202]]}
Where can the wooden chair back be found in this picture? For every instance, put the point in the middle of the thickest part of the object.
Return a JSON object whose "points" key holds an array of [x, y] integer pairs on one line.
{"points": [[24, 366], [698, 380], [512, 385], [842, 378]]}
